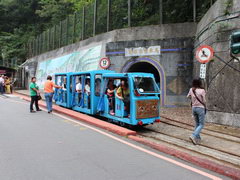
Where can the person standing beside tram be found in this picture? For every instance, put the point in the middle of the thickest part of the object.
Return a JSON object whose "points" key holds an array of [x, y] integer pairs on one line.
{"points": [[34, 93], [48, 92], [198, 102], [2, 81]]}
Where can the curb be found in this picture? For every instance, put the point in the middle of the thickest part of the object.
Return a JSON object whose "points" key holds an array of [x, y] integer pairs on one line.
{"points": [[204, 163], [86, 118]]}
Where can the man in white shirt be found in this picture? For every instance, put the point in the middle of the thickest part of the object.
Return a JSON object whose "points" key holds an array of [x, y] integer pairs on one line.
{"points": [[79, 86], [1, 84], [87, 87], [79, 89]]}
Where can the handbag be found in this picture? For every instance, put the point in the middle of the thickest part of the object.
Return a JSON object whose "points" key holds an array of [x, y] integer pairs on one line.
{"points": [[39, 97], [205, 108]]}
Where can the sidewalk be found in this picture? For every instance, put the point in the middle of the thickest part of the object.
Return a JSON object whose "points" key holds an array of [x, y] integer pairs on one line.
{"points": [[218, 151]]}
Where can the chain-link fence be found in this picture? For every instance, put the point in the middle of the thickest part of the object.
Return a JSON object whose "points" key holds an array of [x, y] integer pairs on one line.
{"points": [[106, 15]]}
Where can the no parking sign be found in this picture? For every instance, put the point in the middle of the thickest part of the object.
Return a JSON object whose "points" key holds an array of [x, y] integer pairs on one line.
{"points": [[204, 54]]}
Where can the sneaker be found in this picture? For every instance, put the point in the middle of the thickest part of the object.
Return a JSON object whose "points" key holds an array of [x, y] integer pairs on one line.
{"points": [[193, 139], [39, 110], [32, 111], [112, 113], [198, 141]]}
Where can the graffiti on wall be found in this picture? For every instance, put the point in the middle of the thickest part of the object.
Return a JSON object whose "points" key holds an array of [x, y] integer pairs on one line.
{"points": [[84, 60]]}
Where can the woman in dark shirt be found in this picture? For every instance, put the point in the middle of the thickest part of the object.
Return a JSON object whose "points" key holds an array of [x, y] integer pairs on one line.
{"points": [[110, 93]]}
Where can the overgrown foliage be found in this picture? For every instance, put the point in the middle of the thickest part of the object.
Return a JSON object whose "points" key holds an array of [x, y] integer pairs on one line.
{"points": [[22, 20]]}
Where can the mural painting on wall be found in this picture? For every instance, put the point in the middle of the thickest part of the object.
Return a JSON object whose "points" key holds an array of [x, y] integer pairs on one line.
{"points": [[84, 60]]}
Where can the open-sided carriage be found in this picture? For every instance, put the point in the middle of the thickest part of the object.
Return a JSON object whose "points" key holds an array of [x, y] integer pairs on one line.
{"points": [[86, 92]]}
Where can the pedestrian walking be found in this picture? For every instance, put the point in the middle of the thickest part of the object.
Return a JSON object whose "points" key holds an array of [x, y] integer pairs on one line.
{"points": [[7, 86], [34, 93], [48, 92], [198, 101], [2, 84]]}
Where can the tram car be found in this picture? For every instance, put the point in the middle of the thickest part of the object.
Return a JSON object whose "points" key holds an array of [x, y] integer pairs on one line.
{"points": [[124, 98]]}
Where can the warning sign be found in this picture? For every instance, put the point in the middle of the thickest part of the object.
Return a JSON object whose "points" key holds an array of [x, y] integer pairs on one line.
{"points": [[204, 54]]}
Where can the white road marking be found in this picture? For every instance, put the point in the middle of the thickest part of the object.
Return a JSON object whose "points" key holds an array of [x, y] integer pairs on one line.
{"points": [[134, 146]]}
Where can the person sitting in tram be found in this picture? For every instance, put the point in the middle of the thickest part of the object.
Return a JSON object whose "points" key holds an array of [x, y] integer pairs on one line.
{"points": [[110, 94], [123, 94], [64, 86], [87, 87], [79, 89], [87, 90], [97, 86]]}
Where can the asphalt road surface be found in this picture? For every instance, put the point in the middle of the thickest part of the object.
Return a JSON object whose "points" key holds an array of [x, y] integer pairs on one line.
{"points": [[42, 146]]}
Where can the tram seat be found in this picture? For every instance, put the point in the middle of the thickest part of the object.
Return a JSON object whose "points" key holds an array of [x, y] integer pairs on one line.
{"points": [[119, 108], [106, 104], [86, 101]]}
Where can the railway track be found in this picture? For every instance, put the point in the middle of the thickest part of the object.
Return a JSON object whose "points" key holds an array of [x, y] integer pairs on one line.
{"points": [[221, 147]]}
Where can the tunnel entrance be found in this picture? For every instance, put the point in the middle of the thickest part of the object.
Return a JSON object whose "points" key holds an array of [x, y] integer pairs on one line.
{"points": [[146, 67]]}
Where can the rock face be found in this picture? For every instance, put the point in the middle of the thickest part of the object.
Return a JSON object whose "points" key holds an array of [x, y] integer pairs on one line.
{"points": [[223, 82]]}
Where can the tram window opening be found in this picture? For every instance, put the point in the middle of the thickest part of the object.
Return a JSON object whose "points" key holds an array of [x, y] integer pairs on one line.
{"points": [[87, 87], [78, 82], [145, 85], [97, 84]]}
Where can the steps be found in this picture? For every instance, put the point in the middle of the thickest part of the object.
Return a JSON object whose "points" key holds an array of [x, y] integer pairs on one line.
{"points": [[219, 147]]}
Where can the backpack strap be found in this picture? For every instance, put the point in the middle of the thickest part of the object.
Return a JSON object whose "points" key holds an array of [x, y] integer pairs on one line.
{"points": [[198, 98]]}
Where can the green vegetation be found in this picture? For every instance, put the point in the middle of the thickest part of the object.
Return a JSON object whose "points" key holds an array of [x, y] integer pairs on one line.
{"points": [[38, 21]]}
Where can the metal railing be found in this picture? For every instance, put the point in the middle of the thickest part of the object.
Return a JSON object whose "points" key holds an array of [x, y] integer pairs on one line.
{"points": [[12, 64], [105, 15]]}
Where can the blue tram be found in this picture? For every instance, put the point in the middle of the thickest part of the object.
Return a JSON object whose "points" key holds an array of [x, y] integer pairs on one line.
{"points": [[126, 98]]}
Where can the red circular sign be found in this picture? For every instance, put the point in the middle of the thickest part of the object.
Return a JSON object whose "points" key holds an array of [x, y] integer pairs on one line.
{"points": [[204, 54], [105, 63]]}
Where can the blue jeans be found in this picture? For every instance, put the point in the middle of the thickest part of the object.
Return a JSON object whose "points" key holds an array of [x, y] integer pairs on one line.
{"points": [[199, 115], [1, 88], [48, 98]]}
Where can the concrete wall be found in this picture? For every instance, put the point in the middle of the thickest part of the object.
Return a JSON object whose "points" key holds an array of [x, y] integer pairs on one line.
{"points": [[175, 62], [177, 67], [174, 65], [223, 90]]}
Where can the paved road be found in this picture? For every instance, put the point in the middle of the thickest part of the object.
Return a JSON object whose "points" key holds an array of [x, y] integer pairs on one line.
{"points": [[43, 146]]}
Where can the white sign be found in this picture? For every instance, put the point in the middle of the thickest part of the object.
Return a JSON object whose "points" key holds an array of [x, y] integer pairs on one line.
{"points": [[203, 68], [143, 51]]}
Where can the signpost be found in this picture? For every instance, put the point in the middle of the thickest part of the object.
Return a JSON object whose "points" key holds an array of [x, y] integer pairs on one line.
{"points": [[204, 54], [104, 63], [203, 69]]}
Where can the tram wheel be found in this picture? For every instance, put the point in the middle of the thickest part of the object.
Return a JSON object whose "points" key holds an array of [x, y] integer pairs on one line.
{"points": [[109, 120], [122, 124]]}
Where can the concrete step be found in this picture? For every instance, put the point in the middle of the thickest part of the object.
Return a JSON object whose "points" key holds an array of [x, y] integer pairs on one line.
{"points": [[209, 129], [199, 151], [217, 143]]}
